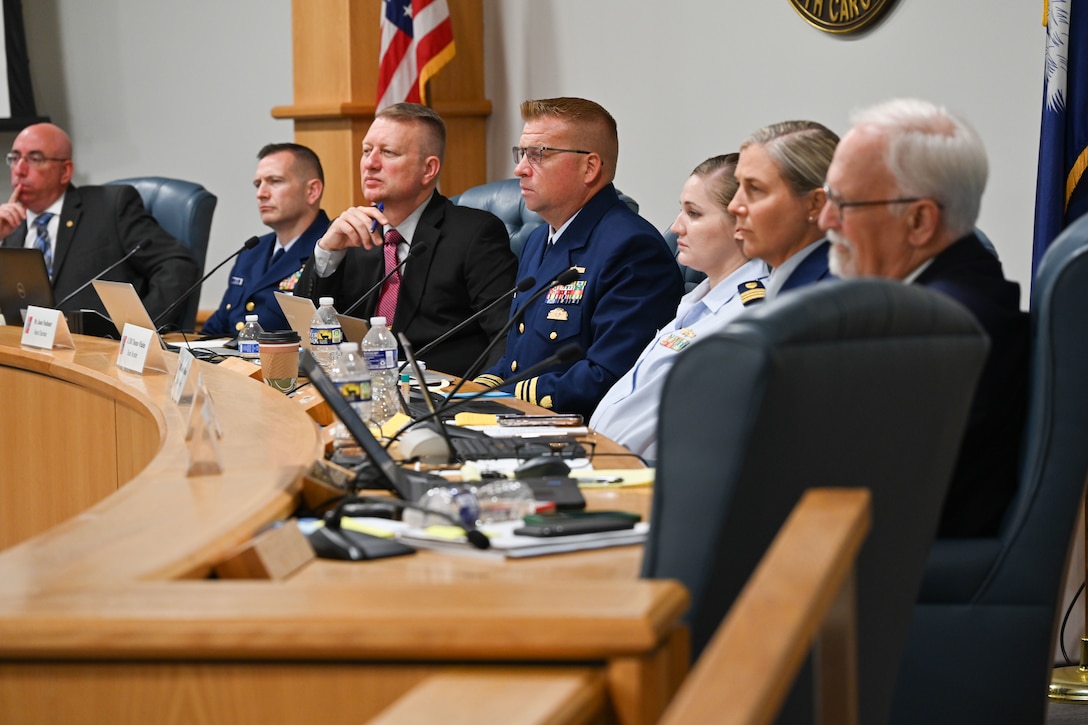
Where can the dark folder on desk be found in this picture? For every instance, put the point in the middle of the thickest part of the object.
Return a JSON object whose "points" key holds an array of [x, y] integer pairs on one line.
{"points": [[24, 281]]}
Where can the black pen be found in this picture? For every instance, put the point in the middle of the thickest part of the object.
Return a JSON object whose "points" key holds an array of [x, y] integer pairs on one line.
{"points": [[614, 479]]}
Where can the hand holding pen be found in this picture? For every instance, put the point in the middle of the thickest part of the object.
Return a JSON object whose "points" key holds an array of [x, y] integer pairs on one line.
{"points": [[359, 226]]}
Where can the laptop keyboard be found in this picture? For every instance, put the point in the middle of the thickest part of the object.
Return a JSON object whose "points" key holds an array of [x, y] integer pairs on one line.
{"points": [[474, 449]]}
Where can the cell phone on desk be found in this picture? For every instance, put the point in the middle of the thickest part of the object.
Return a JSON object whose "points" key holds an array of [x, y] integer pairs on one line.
{"points": [[562, 525], [547, 419]]}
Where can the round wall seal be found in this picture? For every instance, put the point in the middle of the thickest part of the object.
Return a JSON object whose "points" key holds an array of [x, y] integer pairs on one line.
{"points": [[841, 16]]}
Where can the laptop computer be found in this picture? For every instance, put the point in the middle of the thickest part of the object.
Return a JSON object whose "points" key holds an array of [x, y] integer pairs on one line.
{"points": [[411, 485], [24, 281], [407, 485], [123, 305], [472, 445], [300, 310]]}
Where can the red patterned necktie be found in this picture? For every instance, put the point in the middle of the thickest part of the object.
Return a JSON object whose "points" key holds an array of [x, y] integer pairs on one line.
{"points": [[387, 303]]}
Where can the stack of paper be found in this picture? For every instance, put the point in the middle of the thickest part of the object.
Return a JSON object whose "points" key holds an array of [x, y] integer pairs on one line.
{"points": [[506, 544]]}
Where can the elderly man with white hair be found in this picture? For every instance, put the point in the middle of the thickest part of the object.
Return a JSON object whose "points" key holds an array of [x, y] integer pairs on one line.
{"points": [[903, 193]]}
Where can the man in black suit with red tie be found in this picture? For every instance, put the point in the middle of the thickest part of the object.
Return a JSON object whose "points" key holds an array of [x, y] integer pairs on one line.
{"points": [[903, 194], [83, 230], [463, 263]]}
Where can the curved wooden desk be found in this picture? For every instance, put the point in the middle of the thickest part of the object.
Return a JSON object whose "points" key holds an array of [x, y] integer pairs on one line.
{"points": [[107, 616]]}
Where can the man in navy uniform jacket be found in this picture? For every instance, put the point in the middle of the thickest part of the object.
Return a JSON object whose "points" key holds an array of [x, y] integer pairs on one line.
{"points": [[289, 183], [628, 284], [903, 193]]}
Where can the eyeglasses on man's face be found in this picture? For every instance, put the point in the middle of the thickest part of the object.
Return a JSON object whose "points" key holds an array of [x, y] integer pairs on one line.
{"points": [[836, 201], [535, 154], [35, 158]]}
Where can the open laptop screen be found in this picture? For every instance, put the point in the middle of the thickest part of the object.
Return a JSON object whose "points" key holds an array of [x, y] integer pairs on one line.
{"points": [[24, 281], [407, 485]]}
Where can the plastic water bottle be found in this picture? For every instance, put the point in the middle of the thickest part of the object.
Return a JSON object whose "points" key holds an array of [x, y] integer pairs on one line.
{"points": [[380, 352], [352, 378], [247, 338], [325, 334]]}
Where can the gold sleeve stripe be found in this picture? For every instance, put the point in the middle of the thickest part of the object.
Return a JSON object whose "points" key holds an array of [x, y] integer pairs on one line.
{"points": [[491, 381]]}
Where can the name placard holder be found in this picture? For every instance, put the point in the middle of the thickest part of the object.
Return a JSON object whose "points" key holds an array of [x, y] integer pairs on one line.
{"points": [[181, 392], [46, 328], [203, 434], [140, 350]]}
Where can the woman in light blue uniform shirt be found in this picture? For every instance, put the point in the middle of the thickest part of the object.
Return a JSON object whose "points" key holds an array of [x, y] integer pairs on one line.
{"points": [[705, 242]]}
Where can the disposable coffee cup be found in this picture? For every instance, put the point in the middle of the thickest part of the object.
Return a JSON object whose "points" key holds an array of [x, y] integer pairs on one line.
{"points": [[279, 351]]}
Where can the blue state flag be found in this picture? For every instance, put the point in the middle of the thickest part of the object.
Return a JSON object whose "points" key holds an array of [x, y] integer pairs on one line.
{"points": [[1061, 197]]}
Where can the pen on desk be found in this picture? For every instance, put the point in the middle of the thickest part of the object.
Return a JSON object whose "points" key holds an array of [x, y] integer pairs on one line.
{"points": [[374, 226], [613, 479]]}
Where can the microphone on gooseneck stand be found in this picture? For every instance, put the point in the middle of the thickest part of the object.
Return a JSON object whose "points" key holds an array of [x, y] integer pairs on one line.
{"points": [[565, 277], [523, 286], [144, 244], [417, 248], [566, 354], [249, 244]]}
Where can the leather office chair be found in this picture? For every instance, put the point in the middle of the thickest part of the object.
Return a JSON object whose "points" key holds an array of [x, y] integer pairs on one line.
{"points": [[859, 383], [184, 210], [983, 632], [503, 199]]}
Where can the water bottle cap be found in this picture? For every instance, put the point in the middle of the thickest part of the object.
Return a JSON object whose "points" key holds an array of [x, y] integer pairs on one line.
{"points": [[374, 321], [251, 318], [349, 347], [325, 301]]}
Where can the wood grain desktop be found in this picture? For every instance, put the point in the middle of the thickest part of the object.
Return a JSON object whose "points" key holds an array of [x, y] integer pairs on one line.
{"points": [[108, 614]]}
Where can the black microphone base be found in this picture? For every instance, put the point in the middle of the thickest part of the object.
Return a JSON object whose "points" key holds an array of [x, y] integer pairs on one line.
{"points": [[93, 323]]}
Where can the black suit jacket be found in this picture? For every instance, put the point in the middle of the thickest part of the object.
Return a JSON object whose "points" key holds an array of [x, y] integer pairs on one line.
{"points": [[987, 470], [98, 226], [467, 265]]}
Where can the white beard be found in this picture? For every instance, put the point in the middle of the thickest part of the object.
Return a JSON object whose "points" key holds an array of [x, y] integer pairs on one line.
{"points": [[840, 258]]}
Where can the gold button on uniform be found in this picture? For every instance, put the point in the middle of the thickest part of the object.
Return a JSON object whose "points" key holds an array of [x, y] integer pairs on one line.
{"points": [[514, 366], [250, 306], [521, 327], [228, 305], [239, 325], [553, 335]]}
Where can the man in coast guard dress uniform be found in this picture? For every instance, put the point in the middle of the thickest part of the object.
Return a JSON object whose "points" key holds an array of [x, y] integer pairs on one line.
{"points": [[628, 284], [289, 181]]}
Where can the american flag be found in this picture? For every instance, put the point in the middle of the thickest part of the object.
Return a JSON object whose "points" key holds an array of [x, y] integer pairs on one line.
{"points": [[417, 40]]}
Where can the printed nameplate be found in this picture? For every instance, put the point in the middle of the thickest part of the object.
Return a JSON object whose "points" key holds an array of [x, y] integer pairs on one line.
{"points": [[46, 328], [135, 342], [181, 375]]}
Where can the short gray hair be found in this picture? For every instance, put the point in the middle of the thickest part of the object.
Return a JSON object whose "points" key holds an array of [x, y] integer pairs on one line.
{"points": [[932, 153]]}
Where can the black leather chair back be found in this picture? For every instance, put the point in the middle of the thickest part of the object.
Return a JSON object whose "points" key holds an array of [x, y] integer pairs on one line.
{"points": [[982, 638], [861, 383], [184, 210]]}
